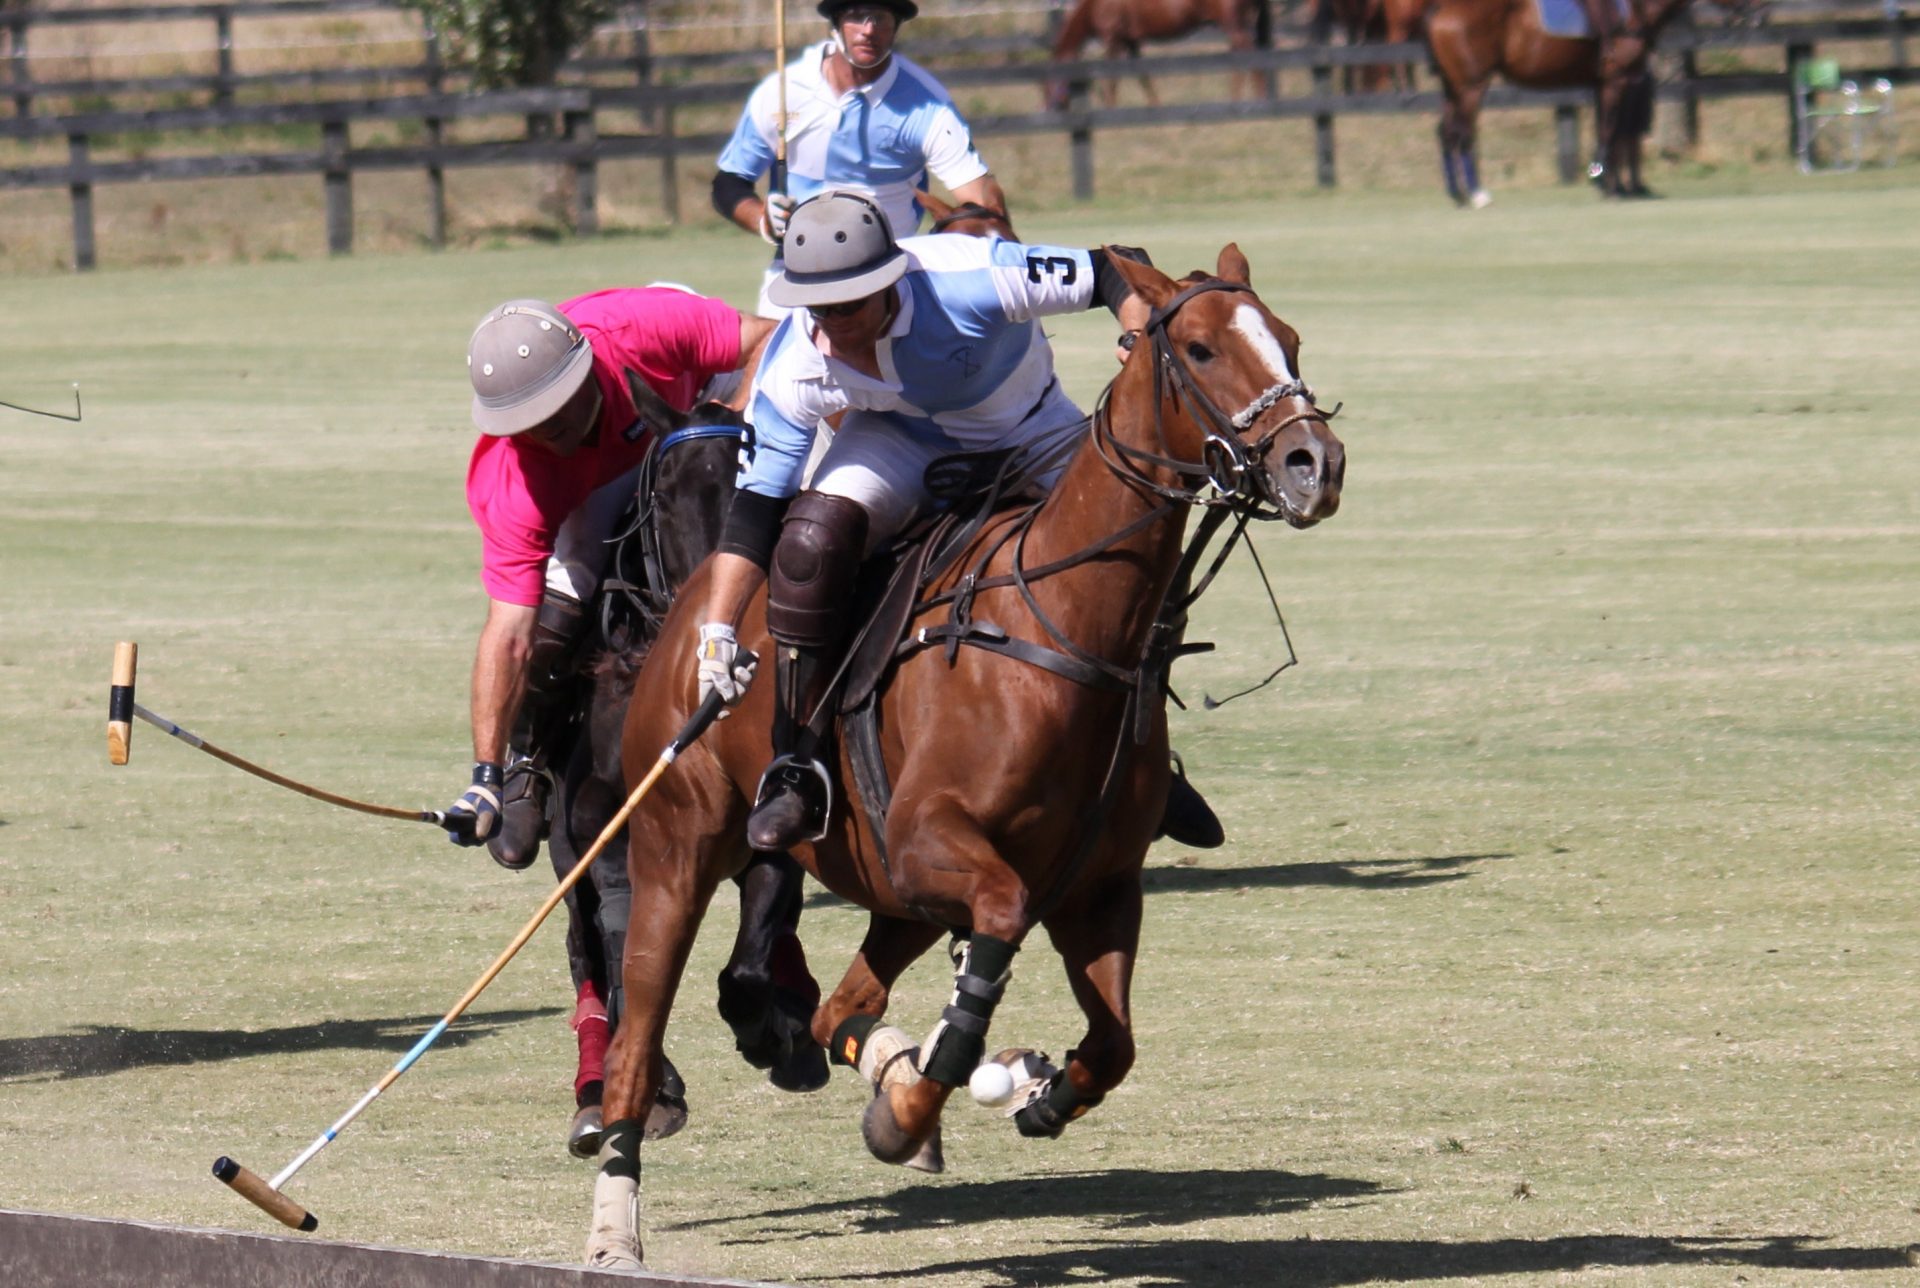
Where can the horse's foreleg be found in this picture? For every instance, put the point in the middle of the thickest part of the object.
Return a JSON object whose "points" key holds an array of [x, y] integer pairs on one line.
{"points": [[1097, 934], [767, 994], [850, 1026], [672, 888]]}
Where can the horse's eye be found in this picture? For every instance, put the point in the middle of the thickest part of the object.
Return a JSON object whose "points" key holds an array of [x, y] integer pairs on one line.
{"points": [[1199, 352]]}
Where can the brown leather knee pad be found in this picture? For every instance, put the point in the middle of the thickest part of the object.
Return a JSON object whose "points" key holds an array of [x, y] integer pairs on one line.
{"points": [[814, 567]]}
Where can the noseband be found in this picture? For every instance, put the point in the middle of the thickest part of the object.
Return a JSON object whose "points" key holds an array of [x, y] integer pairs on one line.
{"points": [[1232, 468]]}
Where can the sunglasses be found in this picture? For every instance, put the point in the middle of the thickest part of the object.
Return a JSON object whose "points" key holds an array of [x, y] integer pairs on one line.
{"points": [[843, 310]]}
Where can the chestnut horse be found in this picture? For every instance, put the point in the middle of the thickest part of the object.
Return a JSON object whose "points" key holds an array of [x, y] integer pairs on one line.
{"points": [[1472, 40], [1027, 774], [1122, 26], [1372, 22]]}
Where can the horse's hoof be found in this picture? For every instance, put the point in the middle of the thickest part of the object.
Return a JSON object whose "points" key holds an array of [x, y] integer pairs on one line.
{"points": [[1480, 199], [803, 1069], [930, 1158], [885, 1140], [668, 1115], [584, 1136]]}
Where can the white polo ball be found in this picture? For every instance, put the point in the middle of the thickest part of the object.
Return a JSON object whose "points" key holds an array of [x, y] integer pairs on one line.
{"points": [[991, 1084]]}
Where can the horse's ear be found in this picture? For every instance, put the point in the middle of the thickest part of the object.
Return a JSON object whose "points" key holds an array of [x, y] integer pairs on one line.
{"points": [[654, 410], [936, 209], [1148, 282], [1233, 265]]}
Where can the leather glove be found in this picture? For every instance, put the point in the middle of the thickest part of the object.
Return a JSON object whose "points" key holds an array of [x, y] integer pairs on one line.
{"points": [[476, 815], [725, 667], [773, 218]]}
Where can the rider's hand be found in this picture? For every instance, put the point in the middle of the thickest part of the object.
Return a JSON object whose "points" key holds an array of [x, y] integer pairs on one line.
{"points": [[725, 667], [476, 815], [774, 216]]}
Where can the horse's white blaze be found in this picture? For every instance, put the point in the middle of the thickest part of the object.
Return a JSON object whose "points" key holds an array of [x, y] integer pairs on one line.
{"points": [[1248, 322]]}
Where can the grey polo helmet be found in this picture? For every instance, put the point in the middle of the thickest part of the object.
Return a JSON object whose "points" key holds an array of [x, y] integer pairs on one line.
{"points": [[838, 247], [525, 360]]}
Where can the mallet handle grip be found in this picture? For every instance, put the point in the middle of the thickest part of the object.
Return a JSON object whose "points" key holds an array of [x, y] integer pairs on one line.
{"points": [[263, 1196]]}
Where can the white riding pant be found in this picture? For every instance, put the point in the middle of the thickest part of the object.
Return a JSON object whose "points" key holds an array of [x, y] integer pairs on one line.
{"points": [[580, 547], [874, 461]]}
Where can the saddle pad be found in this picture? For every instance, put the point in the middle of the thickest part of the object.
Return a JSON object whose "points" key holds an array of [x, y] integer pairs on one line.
{"points": [[1568, 18]]}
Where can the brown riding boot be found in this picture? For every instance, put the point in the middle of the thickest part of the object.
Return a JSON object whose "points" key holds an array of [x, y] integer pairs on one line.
{"points": [[523, 815], [542, 734], [1187, 818]]}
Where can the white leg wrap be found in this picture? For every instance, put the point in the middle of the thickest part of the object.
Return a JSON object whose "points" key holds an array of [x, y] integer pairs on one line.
{"points": [[877, 1058], [614, 1241]]}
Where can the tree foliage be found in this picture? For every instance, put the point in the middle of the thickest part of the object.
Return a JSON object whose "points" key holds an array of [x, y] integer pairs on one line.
{"points": [[508, 43]]}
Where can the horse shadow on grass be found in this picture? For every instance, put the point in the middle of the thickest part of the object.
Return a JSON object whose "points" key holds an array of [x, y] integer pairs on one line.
{"points": [[1364, 874], [1333, 1263], [94, 1050], [1116, 1199]]}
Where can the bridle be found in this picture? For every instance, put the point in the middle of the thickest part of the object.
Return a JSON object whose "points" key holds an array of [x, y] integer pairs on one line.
{"points": [[647, 589], [1233, 469]]}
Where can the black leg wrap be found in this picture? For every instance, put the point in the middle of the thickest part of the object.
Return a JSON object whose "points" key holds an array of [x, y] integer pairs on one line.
{"points": [[960, 1039], [620, 1149], [849, 1038], [1049, 1114]]}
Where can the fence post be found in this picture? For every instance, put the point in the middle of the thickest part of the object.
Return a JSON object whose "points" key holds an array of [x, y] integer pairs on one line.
{"points": [[669, 166], [339, 187], [583, 139], [17, 60], [1323, 128], [1566, 130], [1690, 106], [1080, 138], [223, 41], [436, 70], [643, 57], [1796, 55], [80, 187], [436, 185]]}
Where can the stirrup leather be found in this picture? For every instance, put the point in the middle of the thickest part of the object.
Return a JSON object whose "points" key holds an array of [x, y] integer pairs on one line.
{"points": [[782, 765]]}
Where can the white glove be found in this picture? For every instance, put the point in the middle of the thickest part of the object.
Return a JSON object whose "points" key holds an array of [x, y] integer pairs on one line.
{"points": [[724, 667], [774, 216]]}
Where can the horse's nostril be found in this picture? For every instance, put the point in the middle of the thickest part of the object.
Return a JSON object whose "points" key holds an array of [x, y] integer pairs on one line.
{"points": [[1302, 468]]}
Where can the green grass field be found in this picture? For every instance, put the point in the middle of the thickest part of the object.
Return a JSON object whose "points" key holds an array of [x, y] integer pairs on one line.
{"points": [[1567, 928]]}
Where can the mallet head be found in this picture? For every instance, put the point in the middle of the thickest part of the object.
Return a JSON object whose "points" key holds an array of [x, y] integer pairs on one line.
{"points": [[120, 702], [256, 1191]]}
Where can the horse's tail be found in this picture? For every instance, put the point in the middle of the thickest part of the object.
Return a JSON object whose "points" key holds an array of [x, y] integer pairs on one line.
{"points": [[1263, 24], [1074, 31]]}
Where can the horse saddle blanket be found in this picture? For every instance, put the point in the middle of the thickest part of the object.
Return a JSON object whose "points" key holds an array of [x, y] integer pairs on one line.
{"points": [[1568, 18]]}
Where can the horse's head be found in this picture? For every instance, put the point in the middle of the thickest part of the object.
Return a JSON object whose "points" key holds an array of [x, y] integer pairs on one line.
{"points": [[969, 218], [1232, 406]]}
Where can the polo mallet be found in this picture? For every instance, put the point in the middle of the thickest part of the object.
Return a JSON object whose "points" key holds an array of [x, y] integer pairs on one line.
{"points": [[121, 709], [266, 1195], [777, 177]]}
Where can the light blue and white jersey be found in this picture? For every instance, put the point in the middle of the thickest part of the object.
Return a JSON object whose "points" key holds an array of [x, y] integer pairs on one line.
{"points": [[881, 138], [964, 365]]}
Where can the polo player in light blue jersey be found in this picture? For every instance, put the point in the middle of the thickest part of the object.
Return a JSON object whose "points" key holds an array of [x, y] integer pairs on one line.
{"points": [[859, 116], [926, 347]]}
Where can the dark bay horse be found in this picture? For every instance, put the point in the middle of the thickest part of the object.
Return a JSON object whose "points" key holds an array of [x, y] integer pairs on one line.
{"points": [[766, 993], [1027, 775], [969, 218], [1372, 22], [1122, 26], [1473, 40]]}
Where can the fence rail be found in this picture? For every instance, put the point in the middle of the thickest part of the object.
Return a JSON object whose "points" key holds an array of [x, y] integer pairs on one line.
{"points": [[581, 144]]}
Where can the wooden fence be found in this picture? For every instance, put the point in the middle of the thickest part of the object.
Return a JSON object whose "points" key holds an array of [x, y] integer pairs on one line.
{"points": [[581, 145]]}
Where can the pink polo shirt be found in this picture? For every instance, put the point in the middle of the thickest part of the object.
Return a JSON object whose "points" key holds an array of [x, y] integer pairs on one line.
{"points": [[520, 493]]}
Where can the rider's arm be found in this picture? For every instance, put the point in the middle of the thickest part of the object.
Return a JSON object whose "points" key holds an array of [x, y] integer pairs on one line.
{"points": [[984, 191], [734, 198], [754, 334], [500, 676], [746, 548]]}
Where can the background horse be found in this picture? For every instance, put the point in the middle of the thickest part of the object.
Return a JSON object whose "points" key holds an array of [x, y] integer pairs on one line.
{"points": [[1023, 765], [969, 218], [1122, 26], [766, 993], [1371, 22], [1472, 40]]}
